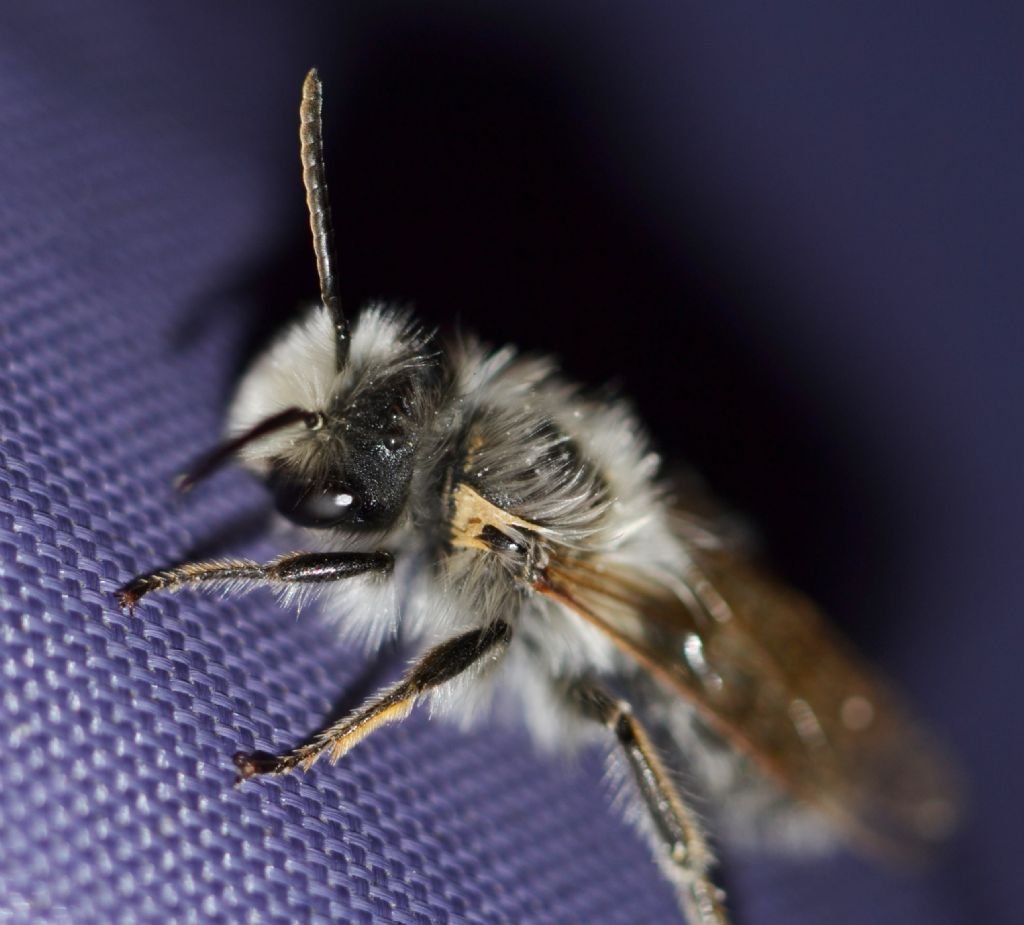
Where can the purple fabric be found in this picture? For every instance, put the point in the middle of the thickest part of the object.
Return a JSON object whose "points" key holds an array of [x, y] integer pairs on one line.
{"points": [[797, 234]]}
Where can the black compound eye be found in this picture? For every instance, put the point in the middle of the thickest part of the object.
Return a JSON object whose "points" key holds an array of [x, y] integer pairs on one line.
{"points": [[313, 505]]}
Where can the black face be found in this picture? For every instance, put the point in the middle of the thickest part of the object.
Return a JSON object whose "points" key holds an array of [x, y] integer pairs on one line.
{"points": [[368, 488]]}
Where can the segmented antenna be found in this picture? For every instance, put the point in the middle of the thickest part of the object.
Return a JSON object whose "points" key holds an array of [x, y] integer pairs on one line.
{"points": [[315, 180]]}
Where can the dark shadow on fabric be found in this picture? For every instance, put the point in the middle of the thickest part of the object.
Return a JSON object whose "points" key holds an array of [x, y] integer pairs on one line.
{"points": [[237, 532]]}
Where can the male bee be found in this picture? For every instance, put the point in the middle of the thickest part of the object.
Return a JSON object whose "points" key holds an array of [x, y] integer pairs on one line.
{"points": [[518, 530]]}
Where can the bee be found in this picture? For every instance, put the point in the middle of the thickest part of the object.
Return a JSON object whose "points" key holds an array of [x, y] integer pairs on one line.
{"points": [[518, 529]]}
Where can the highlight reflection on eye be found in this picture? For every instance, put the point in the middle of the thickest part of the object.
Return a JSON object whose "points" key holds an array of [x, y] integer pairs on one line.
{"points": [[309, 505]]}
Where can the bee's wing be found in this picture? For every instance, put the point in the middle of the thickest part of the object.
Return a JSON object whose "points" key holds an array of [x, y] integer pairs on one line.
{"points": [[758, 662]]}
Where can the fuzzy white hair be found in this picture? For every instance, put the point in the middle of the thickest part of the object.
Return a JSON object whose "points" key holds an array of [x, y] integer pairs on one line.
{"points": [[579, 469]]}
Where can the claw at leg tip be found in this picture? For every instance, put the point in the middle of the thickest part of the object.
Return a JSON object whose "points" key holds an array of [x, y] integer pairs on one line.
{"points": [[246, 768], [126, 600], [250, 764]]}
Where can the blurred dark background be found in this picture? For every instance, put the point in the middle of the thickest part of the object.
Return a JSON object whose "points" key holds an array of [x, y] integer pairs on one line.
{"points": [[791, 234]]}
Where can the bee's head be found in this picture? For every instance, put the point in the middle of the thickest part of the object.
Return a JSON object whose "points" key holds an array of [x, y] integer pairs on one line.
{"points": [[337, 448], [333, 414]]}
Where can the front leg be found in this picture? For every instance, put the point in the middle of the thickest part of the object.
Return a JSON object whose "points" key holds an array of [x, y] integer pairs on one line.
{"points": [[293, 569], [437, 667]]}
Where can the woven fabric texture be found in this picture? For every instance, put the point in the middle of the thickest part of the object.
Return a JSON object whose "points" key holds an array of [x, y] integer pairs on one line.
{"points": [[141, 172]]}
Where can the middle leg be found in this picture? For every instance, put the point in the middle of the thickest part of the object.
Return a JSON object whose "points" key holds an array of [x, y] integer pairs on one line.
{"points": [[437, 667]]}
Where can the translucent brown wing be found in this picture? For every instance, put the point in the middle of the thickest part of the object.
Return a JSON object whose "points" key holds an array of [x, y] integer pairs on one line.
{"points": [[765, 671]]}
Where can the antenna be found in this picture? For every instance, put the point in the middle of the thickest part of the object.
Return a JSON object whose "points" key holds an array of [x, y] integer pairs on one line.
{"points": [[314, 178], [219, 455]]}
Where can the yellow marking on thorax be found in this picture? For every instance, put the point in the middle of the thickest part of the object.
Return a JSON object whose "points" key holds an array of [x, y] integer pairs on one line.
{"points": [[473, 512]]}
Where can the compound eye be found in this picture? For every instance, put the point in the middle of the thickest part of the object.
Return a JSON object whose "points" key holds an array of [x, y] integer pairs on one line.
{"points": [[312, 505]]}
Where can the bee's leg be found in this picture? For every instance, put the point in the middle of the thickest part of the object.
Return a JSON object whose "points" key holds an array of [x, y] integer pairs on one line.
{"points": [[295, 568], [438, 666], [678, 842]]}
